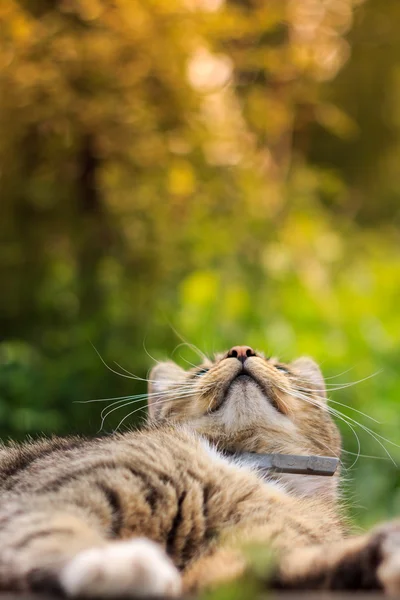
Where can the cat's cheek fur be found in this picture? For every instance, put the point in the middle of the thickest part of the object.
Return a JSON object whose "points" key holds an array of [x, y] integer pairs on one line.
{"points": [[135, 568]]}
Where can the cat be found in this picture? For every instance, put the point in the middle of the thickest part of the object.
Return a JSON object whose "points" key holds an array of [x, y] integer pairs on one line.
{"points": [[167, 510]]}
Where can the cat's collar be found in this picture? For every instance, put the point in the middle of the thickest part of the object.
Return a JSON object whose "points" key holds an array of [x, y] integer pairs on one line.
{"points": [[290, 463]]}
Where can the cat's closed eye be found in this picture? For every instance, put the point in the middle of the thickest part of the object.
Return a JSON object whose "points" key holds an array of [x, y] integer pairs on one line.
{"points": [[201, 371], [283, 369]]}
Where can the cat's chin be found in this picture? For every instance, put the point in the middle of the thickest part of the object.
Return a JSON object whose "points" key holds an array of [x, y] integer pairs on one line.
{"points": [[245, 389], [245, 381]]}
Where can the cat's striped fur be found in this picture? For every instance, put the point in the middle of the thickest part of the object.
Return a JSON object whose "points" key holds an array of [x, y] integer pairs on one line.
{"points": [[162, 511]]}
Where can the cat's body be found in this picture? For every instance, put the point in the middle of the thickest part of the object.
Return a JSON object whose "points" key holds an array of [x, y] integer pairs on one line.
{"points": [[167, 509]]}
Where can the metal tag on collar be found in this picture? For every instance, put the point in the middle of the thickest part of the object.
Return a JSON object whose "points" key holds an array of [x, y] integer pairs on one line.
{"points": [[292, 463]]}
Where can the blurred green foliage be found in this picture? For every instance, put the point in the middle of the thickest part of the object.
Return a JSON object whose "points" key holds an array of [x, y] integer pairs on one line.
{"points": [[225, 169]]}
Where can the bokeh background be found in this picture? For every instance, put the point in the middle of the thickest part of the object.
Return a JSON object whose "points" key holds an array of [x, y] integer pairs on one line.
{"points": [[210, 171]]}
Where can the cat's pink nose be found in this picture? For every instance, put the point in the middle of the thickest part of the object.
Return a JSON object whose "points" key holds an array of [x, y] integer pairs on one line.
{"points": [[241, 352]]}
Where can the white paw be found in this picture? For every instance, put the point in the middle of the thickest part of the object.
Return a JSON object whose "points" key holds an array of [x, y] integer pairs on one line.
{"points": [[389, 569], [135, 568]]}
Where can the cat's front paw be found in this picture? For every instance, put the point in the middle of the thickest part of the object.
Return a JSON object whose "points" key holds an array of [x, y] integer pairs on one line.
{"points": [[389, 568], [135, 568]]}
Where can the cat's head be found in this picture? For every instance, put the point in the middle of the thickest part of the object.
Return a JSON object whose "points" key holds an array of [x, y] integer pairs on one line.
{"points": [[243, 401]]}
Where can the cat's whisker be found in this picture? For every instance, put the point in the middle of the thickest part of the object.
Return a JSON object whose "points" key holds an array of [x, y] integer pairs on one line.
{"points": [[134, 396], [126, 417], [339, 374], [130, 400], [136, 410], [335, 454], [332, 411], [376, 437], [110, 368], [347, 384], [126, 370], [286, 406], [192, 347], [105, 415], [187, 361], [209, 404], [101, 400], [106, 412], [365, 455], [355, 410], [331, 401], [337, 415], [185, 342], [138, 398], [367, 429], [148, 353], [182, 396], [346, 419], [333, 387], [127, 374], [132, 375], [341, 418]]}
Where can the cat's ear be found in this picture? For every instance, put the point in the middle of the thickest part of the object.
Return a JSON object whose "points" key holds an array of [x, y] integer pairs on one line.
{"points": [[310, 373], [162, 376]]}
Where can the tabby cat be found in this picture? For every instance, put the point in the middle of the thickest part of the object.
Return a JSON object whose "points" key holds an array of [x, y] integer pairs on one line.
{"points": [[168, 509]]}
